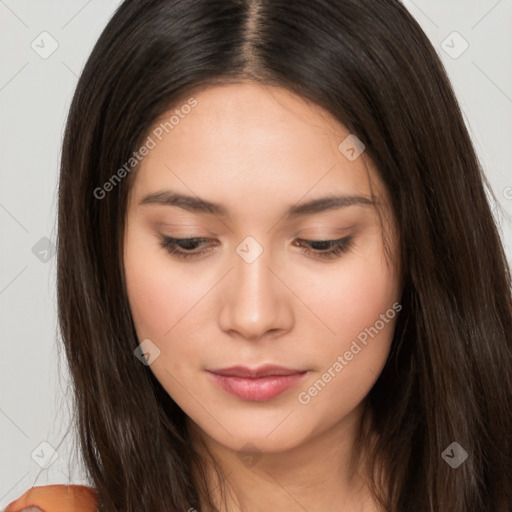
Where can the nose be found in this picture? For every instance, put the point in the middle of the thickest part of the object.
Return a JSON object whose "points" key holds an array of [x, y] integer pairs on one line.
{"points": [[255, 302]]}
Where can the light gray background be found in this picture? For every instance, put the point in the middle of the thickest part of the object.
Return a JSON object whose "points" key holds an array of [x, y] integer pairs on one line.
{"points": [[35, 93]]}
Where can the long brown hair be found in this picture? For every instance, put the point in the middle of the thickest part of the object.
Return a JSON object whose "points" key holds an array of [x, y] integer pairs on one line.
{"points": [[448, 377]]}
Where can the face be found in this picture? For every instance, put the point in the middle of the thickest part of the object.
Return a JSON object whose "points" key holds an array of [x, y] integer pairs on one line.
{"points": [[257, 282]]}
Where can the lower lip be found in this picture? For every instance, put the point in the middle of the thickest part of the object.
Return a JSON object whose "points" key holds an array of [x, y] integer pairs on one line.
{"points": [[257, 390]]}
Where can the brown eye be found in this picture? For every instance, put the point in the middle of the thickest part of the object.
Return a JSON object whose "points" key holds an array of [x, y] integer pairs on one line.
{"points": [[183, 247], [327, 248]]}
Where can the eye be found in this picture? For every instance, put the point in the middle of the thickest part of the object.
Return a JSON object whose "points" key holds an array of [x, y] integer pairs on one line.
{"points": [[187, 247], [182, 247], [326, 249]]}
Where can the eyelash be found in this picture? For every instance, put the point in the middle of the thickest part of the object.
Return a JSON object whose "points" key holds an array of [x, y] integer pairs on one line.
{"points": [[335, 247]]}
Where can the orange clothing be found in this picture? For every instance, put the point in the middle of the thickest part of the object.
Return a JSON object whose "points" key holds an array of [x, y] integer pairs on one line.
{"points": [[57, 498]]}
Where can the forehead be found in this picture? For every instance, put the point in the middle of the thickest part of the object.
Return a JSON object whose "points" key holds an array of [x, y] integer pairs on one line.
{"points": [[251, 144]]}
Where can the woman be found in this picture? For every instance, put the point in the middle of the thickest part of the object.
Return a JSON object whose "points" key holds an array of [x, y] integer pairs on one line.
{"points": [[280, 285]]}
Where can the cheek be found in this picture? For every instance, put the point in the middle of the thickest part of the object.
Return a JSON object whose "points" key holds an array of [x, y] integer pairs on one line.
{"points": [[161, 301], [354, 295], [158, 296], [360, 305]]}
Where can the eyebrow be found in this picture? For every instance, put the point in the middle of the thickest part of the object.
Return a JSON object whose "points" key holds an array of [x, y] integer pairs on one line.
{"points": [[198, 205]]}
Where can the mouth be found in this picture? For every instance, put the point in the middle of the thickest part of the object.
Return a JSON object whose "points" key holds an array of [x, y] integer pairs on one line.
{"points": [[257, 384]]}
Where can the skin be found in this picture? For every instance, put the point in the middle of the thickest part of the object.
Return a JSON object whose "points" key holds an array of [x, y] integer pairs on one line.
{"points": [[258, 150]]}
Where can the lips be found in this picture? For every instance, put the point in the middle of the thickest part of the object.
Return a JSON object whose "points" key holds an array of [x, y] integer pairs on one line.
{"points": [[267, 370], [256, 384]]}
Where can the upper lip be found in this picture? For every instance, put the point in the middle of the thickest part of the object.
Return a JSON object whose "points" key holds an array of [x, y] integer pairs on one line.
{"points": [[266, 370]]}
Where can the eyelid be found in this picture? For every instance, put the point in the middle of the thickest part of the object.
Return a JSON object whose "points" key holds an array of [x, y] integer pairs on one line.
{"points": [[181, 230], [325, 232]]}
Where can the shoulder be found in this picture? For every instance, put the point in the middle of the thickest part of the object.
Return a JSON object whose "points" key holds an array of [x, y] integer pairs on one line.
{"points": [[56, 498]]}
